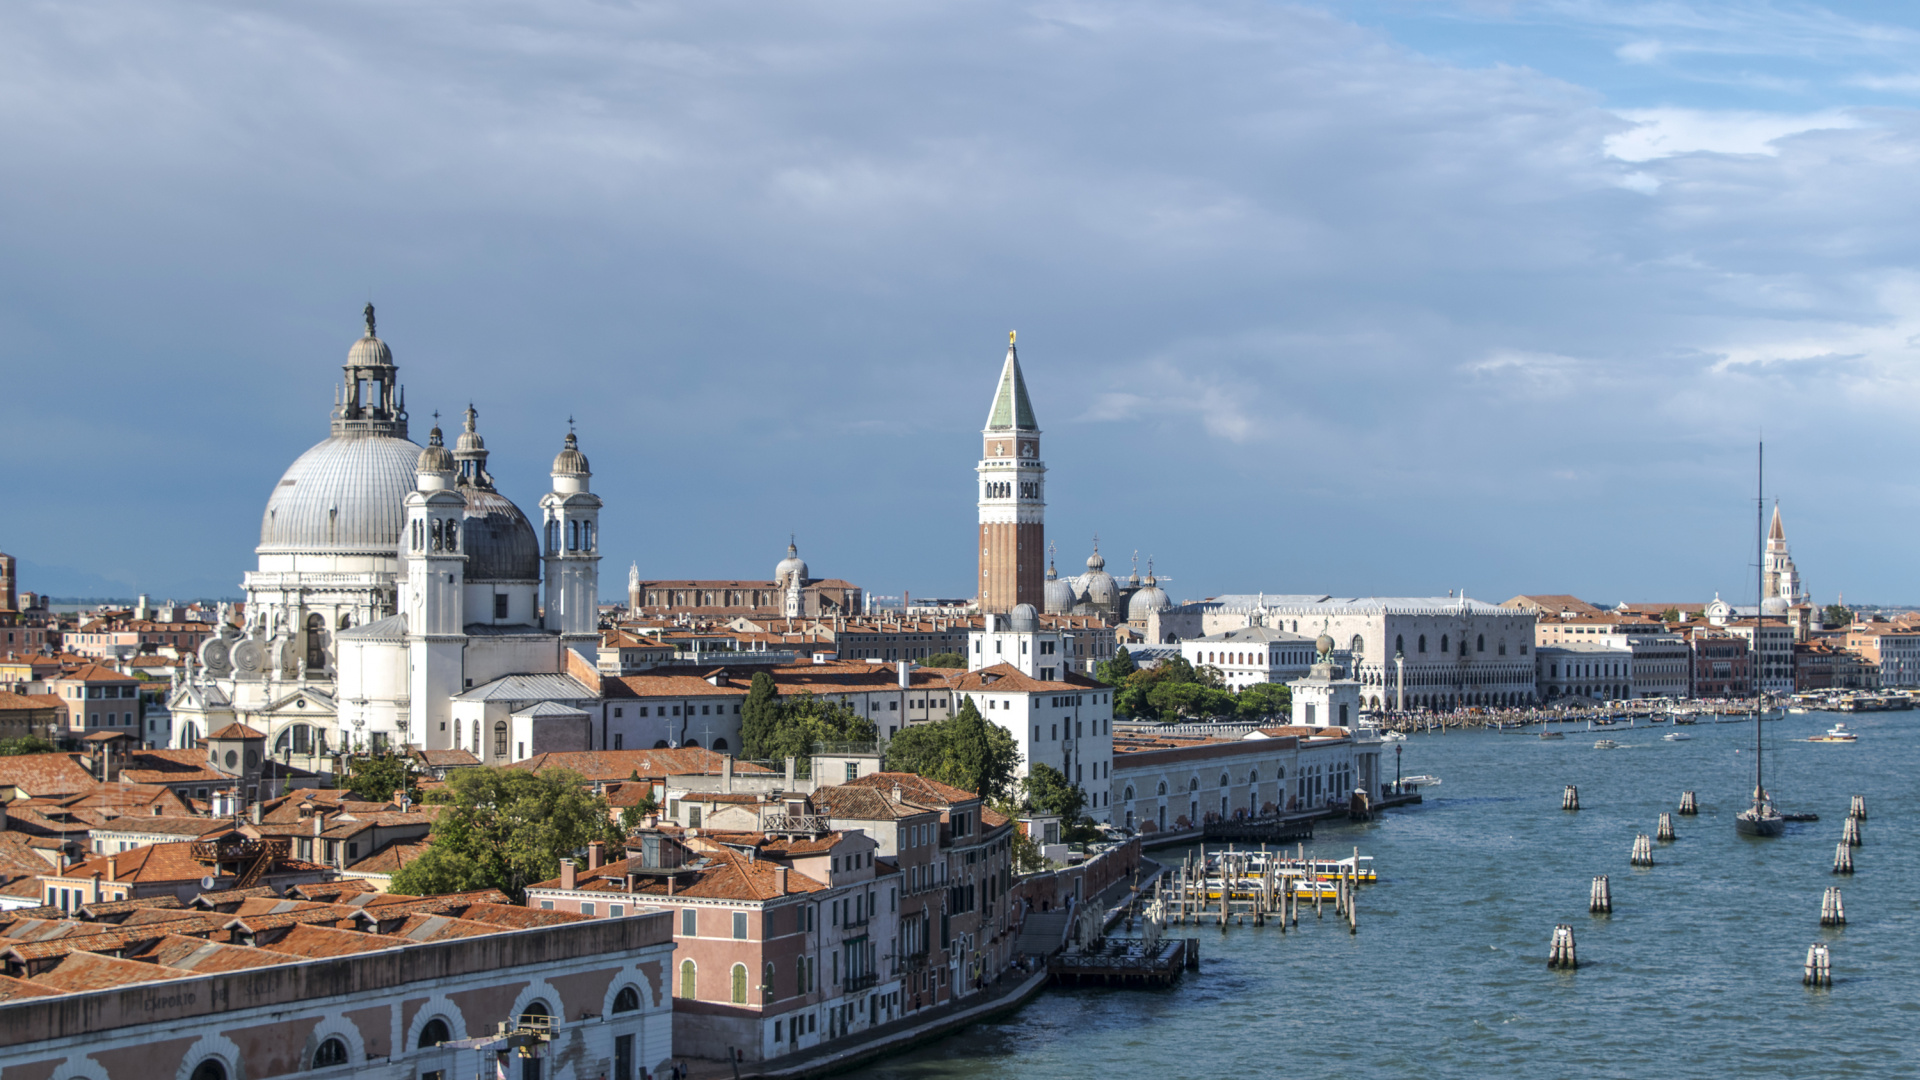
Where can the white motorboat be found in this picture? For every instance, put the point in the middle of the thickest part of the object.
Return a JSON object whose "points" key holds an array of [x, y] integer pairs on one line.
{"points": [[1677, 736], [1393, 736], [1836, 733], [1606, 744]]}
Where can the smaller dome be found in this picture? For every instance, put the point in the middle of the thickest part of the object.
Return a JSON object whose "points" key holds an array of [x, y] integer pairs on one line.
{"points": [[1058, 596], [1099, 587], [1096, 561], [793, 565], [1149, 599], [1323, 644], [470, 439], [571, 462], [435, 457], [1773, 605], [1023, 619], [370, 351]]}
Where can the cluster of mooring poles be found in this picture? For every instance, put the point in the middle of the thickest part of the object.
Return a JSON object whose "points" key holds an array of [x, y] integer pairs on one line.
{"points": [[1259, 886], [1833, 912]]}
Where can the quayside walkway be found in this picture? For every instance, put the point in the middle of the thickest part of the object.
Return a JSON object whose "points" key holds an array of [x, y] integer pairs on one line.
{"points": [[1012, 990]]}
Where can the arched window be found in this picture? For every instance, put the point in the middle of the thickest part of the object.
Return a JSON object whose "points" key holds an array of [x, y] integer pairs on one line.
{"points": [[688, 982], [1443, 643], [1480, 643], [1163, 787], [1423, 643], [1129, 794], [628, 999], [1400, 644], [316, 642], [434, 1033], [535, 1012], [210, 1069], [718, 744], [500, 739], [1503, 646], [739, 984], [1223, 779], [332, 1052], [1358, 645], [1253, 777], [766, 983], [660, 744], [1194, 784]]}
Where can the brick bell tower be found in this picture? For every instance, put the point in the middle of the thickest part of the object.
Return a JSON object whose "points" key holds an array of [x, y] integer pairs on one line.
{"points": [[1012, 497]]}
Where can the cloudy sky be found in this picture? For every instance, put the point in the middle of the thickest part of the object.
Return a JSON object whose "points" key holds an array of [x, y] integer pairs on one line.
{"points": [[1392, 296]]}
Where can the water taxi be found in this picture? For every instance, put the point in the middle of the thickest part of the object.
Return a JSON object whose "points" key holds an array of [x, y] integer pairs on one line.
{"points": [[1606, 744], [1393, 736], [1677, 736], [1836, 733]]}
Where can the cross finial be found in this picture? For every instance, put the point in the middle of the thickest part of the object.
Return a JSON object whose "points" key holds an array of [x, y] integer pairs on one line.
{"points": [[1010, 334], [569, 425], [436, 418]]}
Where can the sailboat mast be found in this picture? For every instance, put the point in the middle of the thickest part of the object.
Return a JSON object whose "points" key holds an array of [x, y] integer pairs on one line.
{"points": [[1759, 609]]}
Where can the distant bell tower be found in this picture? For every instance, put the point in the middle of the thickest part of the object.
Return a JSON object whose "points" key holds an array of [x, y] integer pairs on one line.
{"points": [[1012, 497], [572, 543]]}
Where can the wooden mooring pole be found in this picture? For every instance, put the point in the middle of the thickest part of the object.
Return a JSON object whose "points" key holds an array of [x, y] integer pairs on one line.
{"points": [[1642, 851], [1570, 798], [1561, 955], [1832, 911], [1858, 810], [1819, 970], [1600, 900], [1850, 832], [1688, 806], [1665, 831], [1842, 858]]}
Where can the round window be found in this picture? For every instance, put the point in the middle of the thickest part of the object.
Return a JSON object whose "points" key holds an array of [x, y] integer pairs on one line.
{"points": [[253, 758], [232, 758]]}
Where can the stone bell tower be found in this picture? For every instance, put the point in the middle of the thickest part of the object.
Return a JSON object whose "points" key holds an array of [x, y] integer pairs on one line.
{"points": [[1012, 498]]}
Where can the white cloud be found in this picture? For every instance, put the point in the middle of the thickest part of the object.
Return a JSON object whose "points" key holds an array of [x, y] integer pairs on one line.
{"points": [[1665, 132]]}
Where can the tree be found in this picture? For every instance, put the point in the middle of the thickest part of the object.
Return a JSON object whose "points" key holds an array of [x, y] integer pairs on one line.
{"points": [[505, 829], [26, 744], [944, 660], [1171, 700], [1836, 615], [376, 778], [1209, 675], [759, 717], [803, 720], [1049, 790], [1115, 671], [1265, 699], [633, 817], [1671, 615], [964, 750]]}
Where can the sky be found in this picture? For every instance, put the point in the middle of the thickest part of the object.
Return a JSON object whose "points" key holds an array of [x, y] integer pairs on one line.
{"points": [[1391, 297]]}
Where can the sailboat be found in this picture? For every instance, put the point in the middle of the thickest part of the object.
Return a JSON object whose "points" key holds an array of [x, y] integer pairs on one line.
{"points": [[1760, 818]]}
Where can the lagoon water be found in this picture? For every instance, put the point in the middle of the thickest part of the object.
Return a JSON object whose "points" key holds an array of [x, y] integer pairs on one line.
{"points": [[1696, 973]]}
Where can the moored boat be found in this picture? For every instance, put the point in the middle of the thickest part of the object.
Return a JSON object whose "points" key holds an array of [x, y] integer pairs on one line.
{"points": [[1838, 733]]}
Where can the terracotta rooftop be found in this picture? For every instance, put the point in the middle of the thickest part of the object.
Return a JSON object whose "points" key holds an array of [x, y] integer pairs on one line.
{"points": [[914, 789], [605, 765]]}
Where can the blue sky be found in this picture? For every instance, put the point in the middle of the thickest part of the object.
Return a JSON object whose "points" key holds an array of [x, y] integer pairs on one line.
{"points": [[1383, 297]]}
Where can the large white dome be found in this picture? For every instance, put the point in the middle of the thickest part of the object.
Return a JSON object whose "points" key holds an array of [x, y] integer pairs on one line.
{"points": [[346, 494]]}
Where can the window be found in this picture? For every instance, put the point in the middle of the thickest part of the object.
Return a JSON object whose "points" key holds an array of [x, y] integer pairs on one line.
{"points": [[499, 606], [627, 1000], [740, 926], [687, 980], [1443, 643], [739, 984], [689, 922], [210, 1069], [587, 907], [535, 1012], [434, 1033], [1423, 643], [332, 1052], [616, 910], [500, 739]]}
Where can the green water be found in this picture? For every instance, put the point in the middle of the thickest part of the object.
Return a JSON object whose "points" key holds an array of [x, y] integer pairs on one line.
{"points": [[1696, 974]]}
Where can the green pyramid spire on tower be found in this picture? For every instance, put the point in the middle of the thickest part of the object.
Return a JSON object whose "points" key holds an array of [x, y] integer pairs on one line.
{"points": [[1012, 408]]}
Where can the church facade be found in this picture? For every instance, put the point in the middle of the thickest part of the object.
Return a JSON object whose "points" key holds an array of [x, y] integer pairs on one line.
{"points": [[392, 579]]}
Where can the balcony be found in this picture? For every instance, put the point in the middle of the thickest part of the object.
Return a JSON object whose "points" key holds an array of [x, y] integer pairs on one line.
{"points": [[795, 823], [853, 984]]}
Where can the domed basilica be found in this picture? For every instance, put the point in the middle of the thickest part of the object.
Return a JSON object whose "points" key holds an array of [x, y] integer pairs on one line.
{"points": [[394, 579]]}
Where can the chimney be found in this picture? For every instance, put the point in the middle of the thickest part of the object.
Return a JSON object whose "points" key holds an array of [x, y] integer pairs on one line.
{"points": [[113, 868], [256, 811], [726, 774], [671, 879], [780, 880], [790, 768], [566, 874], [96, 888], [596, 854], [906, 668], [317, 822]]}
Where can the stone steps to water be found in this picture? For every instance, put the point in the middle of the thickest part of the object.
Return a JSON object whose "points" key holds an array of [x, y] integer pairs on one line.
{"points": [[1042, 934]]}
